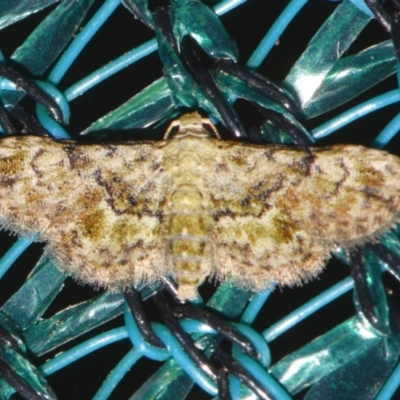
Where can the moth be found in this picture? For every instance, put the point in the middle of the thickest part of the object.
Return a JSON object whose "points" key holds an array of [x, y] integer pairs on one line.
{"points": [[192, 206]]}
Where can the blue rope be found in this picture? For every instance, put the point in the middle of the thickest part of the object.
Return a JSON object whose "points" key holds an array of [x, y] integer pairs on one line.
{"points": [[275, 33], [70, 356], [390, 387], [110, 69], [308, 308], [82, 40], [274, 388], [117, 374], [254, 307], [14, 252], [356, 112]]}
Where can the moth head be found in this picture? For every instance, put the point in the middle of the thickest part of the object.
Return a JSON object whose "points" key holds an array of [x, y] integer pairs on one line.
{"points": [[192, 124]]}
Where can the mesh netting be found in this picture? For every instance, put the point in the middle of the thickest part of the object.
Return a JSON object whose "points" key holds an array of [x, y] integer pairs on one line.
{"points": [[102, 65]]}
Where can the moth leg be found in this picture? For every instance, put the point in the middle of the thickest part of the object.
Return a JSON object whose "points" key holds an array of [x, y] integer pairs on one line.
{"points": [[141, 320], [37, 94], [236, 369], [362, 290]]}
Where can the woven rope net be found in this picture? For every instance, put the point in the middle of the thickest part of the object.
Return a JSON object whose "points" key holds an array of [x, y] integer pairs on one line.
{"points": [[102, 65]]}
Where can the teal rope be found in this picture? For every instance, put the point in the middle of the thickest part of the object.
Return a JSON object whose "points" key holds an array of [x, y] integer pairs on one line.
{"points": [[70, 356], [274, 33], [390, 387], [356, 112], [14, 252], [308, 308], [254, 307], [82, 40]]}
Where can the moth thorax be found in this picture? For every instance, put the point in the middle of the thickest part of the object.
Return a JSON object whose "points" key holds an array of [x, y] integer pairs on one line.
{"points": [[186, 198]]}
